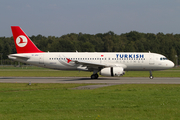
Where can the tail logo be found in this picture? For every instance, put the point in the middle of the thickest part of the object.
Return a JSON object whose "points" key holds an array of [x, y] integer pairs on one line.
{"points": [[21, 41]]}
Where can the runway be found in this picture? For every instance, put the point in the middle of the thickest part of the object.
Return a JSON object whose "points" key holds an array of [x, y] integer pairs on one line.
{"points": [[104, 80]]}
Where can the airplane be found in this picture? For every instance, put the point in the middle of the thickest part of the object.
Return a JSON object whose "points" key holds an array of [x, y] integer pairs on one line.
{"points": [[104, 63]]}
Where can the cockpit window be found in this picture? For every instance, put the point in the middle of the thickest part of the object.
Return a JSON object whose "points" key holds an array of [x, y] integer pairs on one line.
{"points": [[163, 58]]}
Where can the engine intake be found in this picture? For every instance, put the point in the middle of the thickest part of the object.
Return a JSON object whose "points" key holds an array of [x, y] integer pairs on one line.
{"points": [[112, 71]]}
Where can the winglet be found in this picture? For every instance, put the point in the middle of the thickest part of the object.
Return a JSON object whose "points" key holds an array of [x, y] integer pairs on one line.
{"points": [[22, 42]]}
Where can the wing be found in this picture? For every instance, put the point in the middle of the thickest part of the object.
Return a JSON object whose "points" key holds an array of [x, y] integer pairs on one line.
{"points": [[90, 66]]}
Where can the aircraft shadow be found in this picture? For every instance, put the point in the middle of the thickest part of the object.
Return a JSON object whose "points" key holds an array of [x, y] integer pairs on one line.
{"points": [[79, 79]]}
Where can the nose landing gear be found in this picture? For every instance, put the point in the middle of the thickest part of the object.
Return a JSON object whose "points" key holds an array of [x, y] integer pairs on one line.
{"points": [[151, 76]]}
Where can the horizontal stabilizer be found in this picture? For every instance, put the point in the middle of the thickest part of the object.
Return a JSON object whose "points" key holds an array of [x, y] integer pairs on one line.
{"points": [[18, 56]]}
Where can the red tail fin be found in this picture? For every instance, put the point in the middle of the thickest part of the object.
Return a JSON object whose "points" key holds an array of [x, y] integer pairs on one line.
{"points": [[22, 42]]}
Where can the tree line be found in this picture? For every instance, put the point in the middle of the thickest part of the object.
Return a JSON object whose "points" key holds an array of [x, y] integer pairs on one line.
{"points": [[166, 44]]}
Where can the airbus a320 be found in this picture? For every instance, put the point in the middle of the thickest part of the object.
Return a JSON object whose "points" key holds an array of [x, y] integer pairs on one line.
{"points": [[104, 63]]}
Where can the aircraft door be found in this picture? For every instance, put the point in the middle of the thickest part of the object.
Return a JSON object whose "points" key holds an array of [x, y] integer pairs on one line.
{"points": [[151, 59], [41, 59]]}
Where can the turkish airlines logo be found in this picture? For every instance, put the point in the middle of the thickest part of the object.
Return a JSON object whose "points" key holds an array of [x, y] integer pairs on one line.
{"points": [[21, 41]]}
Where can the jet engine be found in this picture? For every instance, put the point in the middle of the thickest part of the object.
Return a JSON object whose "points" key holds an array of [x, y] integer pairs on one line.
{"points": [[112, 71]]}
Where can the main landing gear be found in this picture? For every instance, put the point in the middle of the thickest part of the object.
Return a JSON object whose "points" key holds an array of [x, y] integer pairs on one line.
{"points": [[151, 76], [94, 76]]}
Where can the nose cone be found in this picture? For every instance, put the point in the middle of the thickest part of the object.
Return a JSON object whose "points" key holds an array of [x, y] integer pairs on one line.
{"points": [[170, 64]]}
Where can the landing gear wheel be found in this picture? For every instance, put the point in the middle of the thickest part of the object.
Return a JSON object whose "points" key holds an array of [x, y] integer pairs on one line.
{"points": [[94, 76], [151, 77]]}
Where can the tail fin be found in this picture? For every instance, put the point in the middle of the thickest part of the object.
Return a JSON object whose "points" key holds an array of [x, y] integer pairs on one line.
{"points": [[22, 42]]}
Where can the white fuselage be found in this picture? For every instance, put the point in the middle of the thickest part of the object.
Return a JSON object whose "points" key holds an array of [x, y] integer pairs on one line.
{"points": [[129, 61]]}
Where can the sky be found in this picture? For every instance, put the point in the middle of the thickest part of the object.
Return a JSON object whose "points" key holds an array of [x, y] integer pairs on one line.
{"points": [[61, 17]]}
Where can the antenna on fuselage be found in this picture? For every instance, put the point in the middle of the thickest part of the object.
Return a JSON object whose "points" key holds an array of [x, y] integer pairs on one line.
{"points": [[76, 51]]}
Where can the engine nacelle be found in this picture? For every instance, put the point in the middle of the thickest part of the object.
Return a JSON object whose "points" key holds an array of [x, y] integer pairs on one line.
{"points": [[112, 71]]}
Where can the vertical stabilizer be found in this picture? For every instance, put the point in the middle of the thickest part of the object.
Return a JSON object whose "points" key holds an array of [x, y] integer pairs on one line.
{"points": [[22, 42]]}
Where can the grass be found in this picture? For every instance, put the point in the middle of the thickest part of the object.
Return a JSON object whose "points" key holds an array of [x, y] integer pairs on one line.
{"points": [[32, 71], [58, 101]]}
